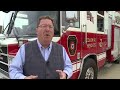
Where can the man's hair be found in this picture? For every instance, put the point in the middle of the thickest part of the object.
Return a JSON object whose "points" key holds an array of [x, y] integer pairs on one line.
{"points": [[45, 17]]}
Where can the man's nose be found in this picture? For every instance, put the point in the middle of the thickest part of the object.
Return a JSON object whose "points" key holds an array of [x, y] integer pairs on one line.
{"points": [[48, 28]]}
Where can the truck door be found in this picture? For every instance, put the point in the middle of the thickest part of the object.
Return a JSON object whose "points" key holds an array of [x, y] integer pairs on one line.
{"points": [[71, 37], [88, 24], [71, 33]]}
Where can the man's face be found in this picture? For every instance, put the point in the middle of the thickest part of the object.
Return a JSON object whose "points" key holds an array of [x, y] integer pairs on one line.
{"points": [[45, 31]]}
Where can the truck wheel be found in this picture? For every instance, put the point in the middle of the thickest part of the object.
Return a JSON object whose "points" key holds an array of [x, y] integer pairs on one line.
{"points": [[89, 70]]}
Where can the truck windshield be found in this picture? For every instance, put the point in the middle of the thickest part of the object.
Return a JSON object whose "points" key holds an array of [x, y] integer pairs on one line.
{"points": [[26, 22]]}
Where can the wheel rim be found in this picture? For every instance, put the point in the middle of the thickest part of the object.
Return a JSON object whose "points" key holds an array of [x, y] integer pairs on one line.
{"points": [[89, 73]]}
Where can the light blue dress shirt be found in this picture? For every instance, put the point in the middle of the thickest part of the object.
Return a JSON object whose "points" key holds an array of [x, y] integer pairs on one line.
{"points": [[16, 67]]}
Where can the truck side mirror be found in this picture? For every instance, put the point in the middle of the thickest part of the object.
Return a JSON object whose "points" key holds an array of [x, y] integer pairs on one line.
{"points": [[71, 16]]}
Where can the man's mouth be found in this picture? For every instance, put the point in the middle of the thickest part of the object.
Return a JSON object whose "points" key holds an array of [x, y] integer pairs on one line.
{"points": [[47, 35]]}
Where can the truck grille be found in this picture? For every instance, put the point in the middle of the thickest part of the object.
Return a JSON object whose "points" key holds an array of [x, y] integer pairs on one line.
{"points": [[3, 59]]}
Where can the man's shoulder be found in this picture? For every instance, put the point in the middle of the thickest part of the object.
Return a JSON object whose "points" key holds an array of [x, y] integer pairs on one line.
{"points": [[30, 42]]}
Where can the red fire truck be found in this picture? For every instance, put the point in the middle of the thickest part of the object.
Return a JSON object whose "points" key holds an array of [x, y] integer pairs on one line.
{"points": [[91, 38]]}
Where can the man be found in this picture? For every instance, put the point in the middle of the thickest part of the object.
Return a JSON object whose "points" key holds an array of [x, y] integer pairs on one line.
{"points": [[42, 58]]}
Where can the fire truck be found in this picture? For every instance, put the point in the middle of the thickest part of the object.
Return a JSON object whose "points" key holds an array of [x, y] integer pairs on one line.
{"points": [[91, 38]]}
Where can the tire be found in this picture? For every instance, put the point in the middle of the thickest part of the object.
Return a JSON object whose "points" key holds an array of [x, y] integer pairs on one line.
{"points": [[89, 70]]}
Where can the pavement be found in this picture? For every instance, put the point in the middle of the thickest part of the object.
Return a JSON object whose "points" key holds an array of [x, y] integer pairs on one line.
{"points": [[110, 71]]}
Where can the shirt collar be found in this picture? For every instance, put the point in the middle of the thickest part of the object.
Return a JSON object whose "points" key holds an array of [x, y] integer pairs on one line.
{"points": [[40, 46]]}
